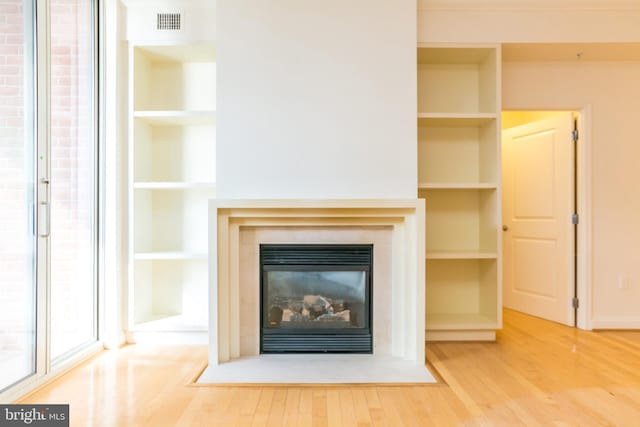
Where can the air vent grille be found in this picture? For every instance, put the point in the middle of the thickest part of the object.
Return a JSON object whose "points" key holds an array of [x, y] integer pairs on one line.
{"points": [[316, 254], [169, 21], [315, 343]]}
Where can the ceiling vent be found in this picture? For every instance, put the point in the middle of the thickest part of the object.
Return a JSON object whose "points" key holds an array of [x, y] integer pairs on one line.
{"points": [[169, 21]]}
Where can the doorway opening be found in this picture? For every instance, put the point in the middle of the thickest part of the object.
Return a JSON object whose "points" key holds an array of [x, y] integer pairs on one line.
{"points": [[541, 207]]}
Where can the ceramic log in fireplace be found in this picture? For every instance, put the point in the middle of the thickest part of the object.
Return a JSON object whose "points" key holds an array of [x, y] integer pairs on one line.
{"points": [[315, 298]]}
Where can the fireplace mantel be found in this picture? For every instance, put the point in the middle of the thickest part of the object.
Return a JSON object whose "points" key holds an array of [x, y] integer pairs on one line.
{"points": [[403, 217]]}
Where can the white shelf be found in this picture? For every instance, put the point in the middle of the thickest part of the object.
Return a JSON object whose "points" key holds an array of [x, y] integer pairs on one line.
{"points": [[458, 154], [458, 80], [166, 288], [457, 186], [175, 117], [169, 220], [461, 220], [171, 323], [174, 77], [172, 157], [461, 321], [173, 185], [462, 255], [140, 256], [168, 153], [459, 176], [179, 53], [462, 294], [455, 119], [454, 55]]}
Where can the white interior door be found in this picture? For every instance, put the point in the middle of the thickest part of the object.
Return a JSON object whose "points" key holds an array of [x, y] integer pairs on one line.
{"points": [[538, 202]]}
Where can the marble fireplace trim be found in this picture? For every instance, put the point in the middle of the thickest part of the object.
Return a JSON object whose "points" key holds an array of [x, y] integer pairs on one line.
{"points": [[395, 226]]}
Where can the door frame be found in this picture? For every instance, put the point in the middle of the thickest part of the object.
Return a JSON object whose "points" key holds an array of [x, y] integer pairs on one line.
{"points": [[583, 189]]}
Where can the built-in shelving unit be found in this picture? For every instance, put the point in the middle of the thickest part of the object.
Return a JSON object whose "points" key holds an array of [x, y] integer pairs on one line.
{"points": [[171, 178], [459, 176]]}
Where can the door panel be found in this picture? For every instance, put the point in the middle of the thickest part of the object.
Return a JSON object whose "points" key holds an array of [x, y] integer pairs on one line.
{"points": [[538, 201], [534, 177], [73, 176], [535, 282]]}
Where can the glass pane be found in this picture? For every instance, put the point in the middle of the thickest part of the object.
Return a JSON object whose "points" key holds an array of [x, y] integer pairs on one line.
{"points": [[315, 299], [17, 239], [73, 198]]}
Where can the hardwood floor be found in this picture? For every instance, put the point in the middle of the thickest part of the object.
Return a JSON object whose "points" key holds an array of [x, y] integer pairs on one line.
{"points": [[537, 373]]}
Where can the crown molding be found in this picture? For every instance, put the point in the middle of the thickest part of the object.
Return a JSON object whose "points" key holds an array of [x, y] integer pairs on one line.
{"points": [[523, 5]]}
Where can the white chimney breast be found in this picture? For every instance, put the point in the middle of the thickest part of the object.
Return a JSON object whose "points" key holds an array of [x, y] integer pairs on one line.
{"points": [[316, 99]]}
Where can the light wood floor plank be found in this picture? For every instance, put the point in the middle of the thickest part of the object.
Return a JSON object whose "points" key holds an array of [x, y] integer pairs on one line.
{"points": [[347, 407], [305, 406], [334, 413], [292, 407], [264, 407], [276, 413], [250, 400], [536, 373], [319, 407], [361, 408], [390, 403], [375, 406]]}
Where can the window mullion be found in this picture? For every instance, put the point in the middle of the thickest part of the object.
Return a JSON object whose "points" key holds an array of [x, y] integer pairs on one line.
{"points": [[43, 193]]}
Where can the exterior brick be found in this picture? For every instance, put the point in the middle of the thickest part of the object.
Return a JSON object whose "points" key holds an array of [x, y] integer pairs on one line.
{"points": [[11, 7]]}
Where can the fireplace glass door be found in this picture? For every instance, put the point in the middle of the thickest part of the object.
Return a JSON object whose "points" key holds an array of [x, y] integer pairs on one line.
{"points": [[316, 300]]}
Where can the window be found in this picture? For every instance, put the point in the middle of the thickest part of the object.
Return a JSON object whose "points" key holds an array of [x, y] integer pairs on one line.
{"points": [[48, 186], [17, 195]]}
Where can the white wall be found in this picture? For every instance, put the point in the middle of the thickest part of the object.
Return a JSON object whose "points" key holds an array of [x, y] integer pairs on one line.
{"points": [[198, 20], [612, 89], [527, 21], [113, 178], [316, 99]]}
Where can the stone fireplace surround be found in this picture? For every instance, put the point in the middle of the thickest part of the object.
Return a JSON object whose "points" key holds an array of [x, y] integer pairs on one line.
{"points": [[396, 229]]}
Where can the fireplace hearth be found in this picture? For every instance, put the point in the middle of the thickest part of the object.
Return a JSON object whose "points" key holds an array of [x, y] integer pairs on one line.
{"points": [[316, 298]]}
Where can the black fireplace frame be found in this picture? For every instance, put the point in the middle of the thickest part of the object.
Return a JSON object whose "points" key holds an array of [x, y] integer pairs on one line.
{"points": [[317, 257]]}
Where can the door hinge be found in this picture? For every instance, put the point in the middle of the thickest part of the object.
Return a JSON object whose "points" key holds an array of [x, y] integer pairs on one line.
{"points": [[575, 303], [574, 135], [575, 219]]}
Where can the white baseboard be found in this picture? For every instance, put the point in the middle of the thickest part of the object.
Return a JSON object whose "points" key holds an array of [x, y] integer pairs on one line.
{"points": [[460, 335], [612, 322]]}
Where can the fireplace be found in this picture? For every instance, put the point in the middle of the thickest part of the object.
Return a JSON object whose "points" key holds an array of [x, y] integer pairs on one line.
{"points": [[316, 298]]}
